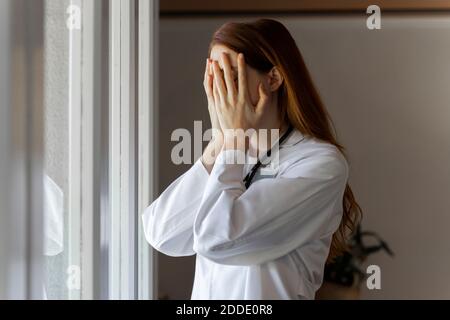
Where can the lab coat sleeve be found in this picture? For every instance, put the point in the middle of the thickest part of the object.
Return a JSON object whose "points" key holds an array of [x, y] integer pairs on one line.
{"points": [[168, 221], [272, 217]]}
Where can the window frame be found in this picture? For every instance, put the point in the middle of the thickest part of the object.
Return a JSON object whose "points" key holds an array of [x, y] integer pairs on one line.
{"points": [[148, 79], [116, 261], [88, 102], [112, 149], [133, 65]]}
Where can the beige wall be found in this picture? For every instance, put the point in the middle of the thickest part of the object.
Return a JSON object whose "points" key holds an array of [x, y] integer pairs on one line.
{"points": [[388, 93]]}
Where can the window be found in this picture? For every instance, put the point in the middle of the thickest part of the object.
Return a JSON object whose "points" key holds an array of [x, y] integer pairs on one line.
{"points": [[81, 123], [75, 112]]}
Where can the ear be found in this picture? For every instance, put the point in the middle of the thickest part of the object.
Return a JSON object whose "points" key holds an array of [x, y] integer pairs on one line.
{"points": [[275, 79]]}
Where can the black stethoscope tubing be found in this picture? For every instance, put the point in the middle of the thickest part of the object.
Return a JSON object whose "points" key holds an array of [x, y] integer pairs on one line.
{"points": [[249, 177]]}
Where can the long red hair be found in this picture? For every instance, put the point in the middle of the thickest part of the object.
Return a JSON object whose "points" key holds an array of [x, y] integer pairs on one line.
{"points": [[265, 44]]}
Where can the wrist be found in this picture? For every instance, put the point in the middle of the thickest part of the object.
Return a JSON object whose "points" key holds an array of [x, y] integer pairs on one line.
{"points": [[212, 150], [234, 141]]}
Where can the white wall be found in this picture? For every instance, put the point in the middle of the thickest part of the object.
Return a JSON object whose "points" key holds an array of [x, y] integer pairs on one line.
{"points": [[388, 93]]}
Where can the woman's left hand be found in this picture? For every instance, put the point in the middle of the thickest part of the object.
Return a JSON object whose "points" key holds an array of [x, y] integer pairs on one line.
{"points": [[233, 106]]}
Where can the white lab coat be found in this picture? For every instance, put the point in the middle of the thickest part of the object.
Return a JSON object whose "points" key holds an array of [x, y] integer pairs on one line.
{"points": [[269, 241]]}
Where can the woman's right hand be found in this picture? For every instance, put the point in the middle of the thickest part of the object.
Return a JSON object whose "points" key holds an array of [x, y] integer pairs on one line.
{"points": [[208, 83], [215, 145]]}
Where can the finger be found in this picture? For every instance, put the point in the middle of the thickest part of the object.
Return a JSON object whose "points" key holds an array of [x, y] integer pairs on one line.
{"points": [[209, 88], [242, 79], [206, 69], [263, 99], [231, 89], [210, 70], [207, 82], [216, 95], [218, 82]]}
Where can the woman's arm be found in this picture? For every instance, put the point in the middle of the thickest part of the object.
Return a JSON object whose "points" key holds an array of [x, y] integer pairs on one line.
{"points": [[168, 221], [273, 216]]}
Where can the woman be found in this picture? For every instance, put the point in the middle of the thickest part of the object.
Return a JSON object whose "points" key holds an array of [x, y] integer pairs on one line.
{"points": [[256, 235]]}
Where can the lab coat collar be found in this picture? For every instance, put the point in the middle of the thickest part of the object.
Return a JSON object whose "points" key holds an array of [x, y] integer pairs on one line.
{"points": [[294, 138]]}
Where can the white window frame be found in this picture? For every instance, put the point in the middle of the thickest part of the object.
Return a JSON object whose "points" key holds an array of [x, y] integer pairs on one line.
{"points": [[122, 152], [87, 99], [148, 75], [133, 43], [75, 146]]}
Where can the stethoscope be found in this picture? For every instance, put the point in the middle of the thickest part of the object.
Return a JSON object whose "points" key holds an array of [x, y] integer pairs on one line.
{"points": [[249, 177]]}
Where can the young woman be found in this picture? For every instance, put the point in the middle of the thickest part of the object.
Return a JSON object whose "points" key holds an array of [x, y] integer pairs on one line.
{"points": [[256, 235]]}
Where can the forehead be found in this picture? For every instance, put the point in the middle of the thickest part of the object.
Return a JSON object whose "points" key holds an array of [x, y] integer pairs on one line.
{"points": [[218, 49]]}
